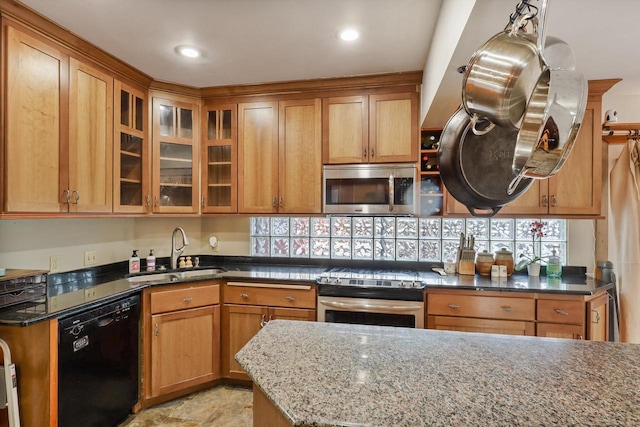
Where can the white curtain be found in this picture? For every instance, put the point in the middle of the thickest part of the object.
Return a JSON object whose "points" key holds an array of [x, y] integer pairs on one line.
{"points": [[624, 181]]}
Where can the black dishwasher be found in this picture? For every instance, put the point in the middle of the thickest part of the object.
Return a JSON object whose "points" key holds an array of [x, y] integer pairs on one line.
{"points": [[98, 364]]}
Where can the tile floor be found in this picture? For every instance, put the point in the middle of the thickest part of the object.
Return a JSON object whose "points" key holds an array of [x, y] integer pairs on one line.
{"points": [[227, 406]]}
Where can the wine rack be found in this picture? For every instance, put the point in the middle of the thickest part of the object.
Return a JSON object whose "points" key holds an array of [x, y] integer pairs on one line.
{"points": [[431, 194]]}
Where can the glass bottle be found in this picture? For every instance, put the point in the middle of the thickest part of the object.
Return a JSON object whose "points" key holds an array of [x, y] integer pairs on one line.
{"points": [[554, 268]]}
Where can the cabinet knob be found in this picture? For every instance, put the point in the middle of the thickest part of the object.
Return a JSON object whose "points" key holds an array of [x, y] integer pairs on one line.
{"points": [[454, 306], [244, 296], [562, 312]]}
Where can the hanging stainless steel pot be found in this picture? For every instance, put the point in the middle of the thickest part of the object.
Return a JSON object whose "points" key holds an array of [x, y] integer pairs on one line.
{"points": [[550, 124], [476, 169], [502, 74]]}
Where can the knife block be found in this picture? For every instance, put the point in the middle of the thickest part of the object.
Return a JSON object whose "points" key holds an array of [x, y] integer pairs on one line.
{"points": [[467, 264]]}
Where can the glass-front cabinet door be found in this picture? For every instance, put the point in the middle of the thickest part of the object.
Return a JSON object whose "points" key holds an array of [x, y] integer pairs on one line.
{"points": [[219, 159], [132, 189], [175, 154]]}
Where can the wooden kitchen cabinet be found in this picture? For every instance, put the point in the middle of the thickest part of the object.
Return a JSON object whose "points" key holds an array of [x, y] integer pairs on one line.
{"points": [[573, 317], [182, 338], [280, 157], [219, 159], [490, 312], [377, 128], [175, 156], [250, 306], [132, 151], [59, 122]]}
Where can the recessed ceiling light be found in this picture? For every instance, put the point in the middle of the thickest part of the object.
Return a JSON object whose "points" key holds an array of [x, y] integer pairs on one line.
{"points": [[189, 51], [348, 35]]}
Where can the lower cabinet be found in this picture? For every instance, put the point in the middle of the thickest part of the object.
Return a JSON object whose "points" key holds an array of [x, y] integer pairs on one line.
{"points": [[494, 313], [526, 313], [250, 306], [182, 334]]}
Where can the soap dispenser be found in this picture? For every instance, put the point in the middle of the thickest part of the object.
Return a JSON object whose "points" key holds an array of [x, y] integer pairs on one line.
{"points": [[134, 262], [554, 268], [151, 261]]}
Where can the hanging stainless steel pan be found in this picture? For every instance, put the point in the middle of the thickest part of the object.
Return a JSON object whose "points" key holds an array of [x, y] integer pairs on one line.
{"points": [[550, 124], [476, 169]]}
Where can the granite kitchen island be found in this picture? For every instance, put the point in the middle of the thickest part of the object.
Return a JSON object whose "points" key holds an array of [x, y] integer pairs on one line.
{"points": [[325, 374]]}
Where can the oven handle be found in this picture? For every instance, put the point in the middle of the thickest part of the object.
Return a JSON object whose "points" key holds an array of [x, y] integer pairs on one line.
{"points": [[373, 307]]}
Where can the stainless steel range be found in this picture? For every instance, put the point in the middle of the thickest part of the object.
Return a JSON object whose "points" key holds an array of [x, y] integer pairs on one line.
{"points": [[371, 297]]}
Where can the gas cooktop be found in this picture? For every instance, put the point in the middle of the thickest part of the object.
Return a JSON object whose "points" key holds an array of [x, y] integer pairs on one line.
{"points": [[371, 278]]}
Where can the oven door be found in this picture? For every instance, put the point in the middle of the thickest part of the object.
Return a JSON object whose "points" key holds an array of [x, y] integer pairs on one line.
{"points": [[368, 311]]}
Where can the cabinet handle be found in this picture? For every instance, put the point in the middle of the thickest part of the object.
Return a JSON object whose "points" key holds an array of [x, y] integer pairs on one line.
{"points": [[157, 330], [76, 196], [454, 306], [561, 312], [280, 202], [554, 200], [155, 200], [291, 299], [364, 152], [202, 202], [244, 296], [597, 316], [148, 200], [544, 201], [507, 308], [270, 317], [273, 202], [187, 299], [263, 321], [371, 154], [580, 337], [67, 197]]}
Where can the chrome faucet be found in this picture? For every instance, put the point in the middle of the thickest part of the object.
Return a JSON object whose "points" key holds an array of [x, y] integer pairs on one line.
{"points": [[176, 252]]}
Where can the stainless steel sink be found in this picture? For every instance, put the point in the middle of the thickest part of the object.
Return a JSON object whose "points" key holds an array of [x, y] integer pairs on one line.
{"points": [[176, 276]]}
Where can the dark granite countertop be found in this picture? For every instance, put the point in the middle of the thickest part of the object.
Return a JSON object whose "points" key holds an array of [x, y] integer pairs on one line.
{"points": [[328, 374], [71, 292]]}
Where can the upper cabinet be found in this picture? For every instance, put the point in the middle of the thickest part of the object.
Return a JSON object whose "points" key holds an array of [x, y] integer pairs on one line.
{"points": [[59, 130], [175, 156], [90, 139], [280, 157], [219, 158], [131, 155], [379, 128]]}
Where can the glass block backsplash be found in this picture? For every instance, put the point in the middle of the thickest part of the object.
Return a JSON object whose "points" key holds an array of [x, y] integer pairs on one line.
{"points": [[399, 238]]}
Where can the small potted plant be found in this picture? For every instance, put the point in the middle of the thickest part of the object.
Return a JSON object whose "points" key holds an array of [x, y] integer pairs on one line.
{"points": [[533, 263]]}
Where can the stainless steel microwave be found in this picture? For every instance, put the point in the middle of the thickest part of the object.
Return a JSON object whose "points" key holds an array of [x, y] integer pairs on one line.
{"points": [[370, 189]]}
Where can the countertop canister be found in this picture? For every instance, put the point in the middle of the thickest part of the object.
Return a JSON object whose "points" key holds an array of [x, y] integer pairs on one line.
{"points": [[484, 261], [505, 257]]}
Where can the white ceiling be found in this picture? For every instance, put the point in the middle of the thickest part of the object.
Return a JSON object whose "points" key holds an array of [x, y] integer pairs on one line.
{"points": [[258, 41]]}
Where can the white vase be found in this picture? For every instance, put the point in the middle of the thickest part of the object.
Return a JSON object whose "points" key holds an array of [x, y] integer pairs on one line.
{"points": [[533, 269]]}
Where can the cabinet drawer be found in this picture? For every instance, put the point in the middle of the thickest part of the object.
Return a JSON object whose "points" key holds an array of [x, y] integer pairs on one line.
{"points": [[180, 299], [561, 311], [270, 294], [480, 306]]}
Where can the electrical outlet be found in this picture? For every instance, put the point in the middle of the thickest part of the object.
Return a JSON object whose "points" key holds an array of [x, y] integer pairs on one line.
{"points": [[54, 264], [90, 294], [90, 258]]}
